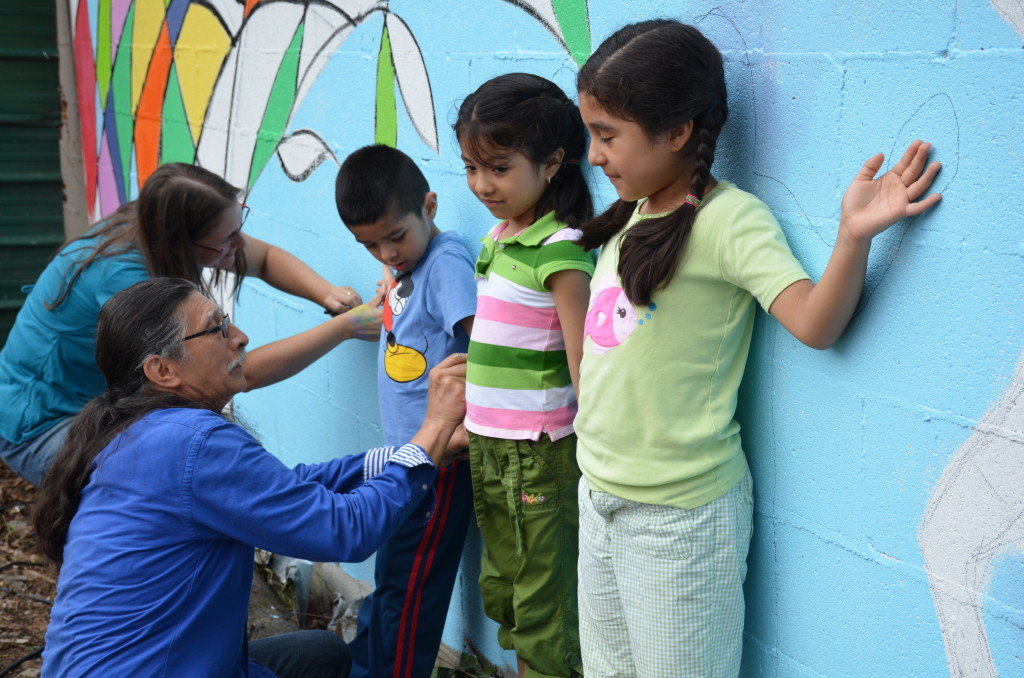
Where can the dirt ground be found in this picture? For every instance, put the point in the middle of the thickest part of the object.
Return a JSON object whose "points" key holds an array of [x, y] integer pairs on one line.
{"points": [[27, 582], [28, 585]]}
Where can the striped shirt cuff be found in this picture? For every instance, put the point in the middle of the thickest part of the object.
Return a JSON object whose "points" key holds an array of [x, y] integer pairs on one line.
{"points": [[407, 455]]}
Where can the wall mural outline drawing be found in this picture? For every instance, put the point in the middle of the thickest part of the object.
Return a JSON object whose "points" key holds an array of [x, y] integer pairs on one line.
{"points": [[886, 248]]}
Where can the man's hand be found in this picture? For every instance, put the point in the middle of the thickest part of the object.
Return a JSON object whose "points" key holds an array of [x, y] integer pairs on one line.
{"points": [[446, 408]]}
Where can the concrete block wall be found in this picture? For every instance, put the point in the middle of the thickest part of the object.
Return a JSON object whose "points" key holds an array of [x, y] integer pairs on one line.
{"points": [[889, 471]]}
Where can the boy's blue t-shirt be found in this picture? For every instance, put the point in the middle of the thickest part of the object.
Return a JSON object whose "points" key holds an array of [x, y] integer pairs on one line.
{"points": [[422, 315]]}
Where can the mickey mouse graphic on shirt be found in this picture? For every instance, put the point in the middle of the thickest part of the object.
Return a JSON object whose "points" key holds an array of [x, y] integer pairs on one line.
{"points": [[611, 317], [401, 363]]}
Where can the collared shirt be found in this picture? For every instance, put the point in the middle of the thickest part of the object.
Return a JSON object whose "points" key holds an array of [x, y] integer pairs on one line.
{"points": [[518, 385], [158, 559]]}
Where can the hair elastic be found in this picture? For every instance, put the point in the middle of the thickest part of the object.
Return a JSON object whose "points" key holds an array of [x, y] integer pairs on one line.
{"points": [[572, 161], [691, 199]]}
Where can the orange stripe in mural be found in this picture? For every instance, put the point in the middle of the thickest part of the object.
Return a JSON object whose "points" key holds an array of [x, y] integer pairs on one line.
{"points": [[249, 4], [147, 118]]}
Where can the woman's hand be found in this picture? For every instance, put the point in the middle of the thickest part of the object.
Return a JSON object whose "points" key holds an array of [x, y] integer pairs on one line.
{"points": [[341, 299], [872, 205]]}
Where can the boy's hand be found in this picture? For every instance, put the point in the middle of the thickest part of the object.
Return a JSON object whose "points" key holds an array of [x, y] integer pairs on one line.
{"points": [[341, 299], [872, 205], [364, 322], [379, 297], [387, 279]]}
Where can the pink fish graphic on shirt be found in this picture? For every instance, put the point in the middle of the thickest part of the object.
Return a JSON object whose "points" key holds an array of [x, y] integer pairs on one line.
{"points": [[611, 317]]}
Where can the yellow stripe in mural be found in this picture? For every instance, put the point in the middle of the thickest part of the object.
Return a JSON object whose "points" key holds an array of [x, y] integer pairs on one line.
{"points": [[201, 49], [149, 17]]}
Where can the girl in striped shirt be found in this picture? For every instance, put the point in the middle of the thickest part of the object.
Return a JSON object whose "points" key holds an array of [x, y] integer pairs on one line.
{"points": [[521, 140]]}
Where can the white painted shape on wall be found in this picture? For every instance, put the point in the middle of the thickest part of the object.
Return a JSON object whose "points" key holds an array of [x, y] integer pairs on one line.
{"points": [[1012, 12], [544, 12], [413, 82], [325, 31], [975, 513], [230, 12], [301, 153]]}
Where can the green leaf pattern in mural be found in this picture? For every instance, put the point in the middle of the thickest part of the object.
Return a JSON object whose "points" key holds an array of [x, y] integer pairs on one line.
{"points": [[175, 136], [279, 107], [103, 65], [121, 87], [412, 79], [386, 130], [574, 22]]}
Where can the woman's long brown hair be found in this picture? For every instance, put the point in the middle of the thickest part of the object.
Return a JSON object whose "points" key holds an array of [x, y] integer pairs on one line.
{"points": [[178, 205]]}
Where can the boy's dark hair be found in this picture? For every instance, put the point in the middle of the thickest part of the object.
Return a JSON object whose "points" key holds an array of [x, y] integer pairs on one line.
{"points": [[531, 115], [658, 74], [377, 181]]}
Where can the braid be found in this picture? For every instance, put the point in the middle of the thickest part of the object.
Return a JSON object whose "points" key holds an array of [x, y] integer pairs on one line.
{"points": [[707, 139], [651, 251]]}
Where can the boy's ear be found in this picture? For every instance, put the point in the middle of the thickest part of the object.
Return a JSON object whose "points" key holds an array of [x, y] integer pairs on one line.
{"points": [[430, 204], [680, 136], [162, 373]]}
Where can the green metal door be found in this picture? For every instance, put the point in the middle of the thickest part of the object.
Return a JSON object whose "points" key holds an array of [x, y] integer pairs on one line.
{"points": [[31, 191]]}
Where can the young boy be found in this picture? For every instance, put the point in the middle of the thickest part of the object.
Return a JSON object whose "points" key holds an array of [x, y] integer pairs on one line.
{"points": [[386, 203]]}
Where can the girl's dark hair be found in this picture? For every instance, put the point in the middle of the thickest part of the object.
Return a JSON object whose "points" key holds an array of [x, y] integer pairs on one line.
{"points": [[178, 205], [660, 75], [142, 320], [524, 113]]}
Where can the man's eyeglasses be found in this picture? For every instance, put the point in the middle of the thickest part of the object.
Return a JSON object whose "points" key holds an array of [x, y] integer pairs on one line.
{"points": [[224, 327], [224, 246]]}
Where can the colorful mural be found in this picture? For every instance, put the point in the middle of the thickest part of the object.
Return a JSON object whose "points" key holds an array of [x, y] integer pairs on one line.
{"points": [[217, 82]]}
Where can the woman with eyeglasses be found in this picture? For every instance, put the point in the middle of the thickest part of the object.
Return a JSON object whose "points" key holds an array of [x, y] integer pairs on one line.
{"points": [[186, 220]]}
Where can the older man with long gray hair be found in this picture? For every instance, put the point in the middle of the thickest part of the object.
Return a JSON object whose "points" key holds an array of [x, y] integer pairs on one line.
{"points": [[156, 500]]}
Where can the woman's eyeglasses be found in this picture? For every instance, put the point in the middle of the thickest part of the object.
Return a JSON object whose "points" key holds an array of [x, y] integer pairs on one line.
{"points": [[224, 328], [224, 246]]}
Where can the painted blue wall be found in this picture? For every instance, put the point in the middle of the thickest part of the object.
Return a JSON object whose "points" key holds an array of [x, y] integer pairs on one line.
{"points": [[846, 445]]}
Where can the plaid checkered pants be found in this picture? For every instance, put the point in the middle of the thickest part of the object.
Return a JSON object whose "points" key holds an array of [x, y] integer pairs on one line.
{"points": [[661, 588]]}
